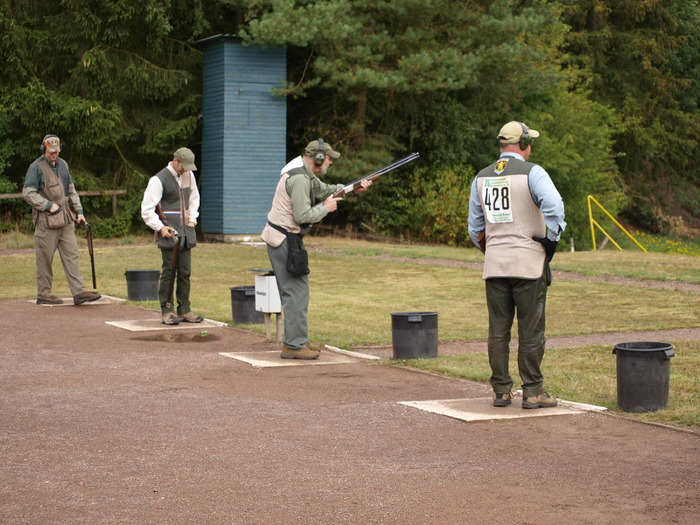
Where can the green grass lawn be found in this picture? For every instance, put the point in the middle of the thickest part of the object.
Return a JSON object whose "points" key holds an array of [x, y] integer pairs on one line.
{"points": [[356, 285]]}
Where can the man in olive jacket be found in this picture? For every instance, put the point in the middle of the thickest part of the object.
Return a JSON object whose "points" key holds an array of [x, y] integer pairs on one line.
{"points": [[49, 190], [301, 198]]}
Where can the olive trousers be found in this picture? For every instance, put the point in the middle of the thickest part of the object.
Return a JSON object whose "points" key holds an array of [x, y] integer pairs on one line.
{"points": [[504, 298], [182, 281]]}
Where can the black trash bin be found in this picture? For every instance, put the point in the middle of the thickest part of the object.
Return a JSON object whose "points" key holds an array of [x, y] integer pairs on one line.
{"points": [[142, 285], [414, 334], [643, 373], [243, 306]]}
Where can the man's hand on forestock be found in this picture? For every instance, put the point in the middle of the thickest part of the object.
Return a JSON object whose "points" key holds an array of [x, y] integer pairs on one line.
{"points": [[364, 185], [549, 246]]}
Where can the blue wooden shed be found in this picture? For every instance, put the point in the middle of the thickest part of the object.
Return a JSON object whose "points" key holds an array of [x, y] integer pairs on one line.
{"points": [[244, 130]]}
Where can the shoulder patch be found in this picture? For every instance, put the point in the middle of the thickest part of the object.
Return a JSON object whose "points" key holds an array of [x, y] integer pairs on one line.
{"points": [[500, 166]]}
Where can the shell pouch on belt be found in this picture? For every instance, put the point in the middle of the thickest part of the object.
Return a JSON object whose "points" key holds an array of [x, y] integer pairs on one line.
{"points": [[297, 256], [60, 218]]}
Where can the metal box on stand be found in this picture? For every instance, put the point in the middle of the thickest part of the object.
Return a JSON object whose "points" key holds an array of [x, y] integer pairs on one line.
{"points": [[267, 301], [267, 296]]}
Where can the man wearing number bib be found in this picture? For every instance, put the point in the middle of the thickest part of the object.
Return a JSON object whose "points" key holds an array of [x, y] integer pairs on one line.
{"points": [[516, 217]]}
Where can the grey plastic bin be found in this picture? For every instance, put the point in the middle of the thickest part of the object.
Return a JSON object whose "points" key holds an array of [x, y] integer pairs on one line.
{"points": [[643, 375], [414, 335]]}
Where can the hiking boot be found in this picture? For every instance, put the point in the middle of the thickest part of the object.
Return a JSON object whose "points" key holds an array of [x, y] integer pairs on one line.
{"points": [[48, 299], [544, 400], [301, 353], [315, 347], [502, 400], [85, 297], [170, 318], [189, 317]]}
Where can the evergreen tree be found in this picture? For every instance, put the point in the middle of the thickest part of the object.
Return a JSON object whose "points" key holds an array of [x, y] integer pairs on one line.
{"points": [[116, 80], [635, 51]]}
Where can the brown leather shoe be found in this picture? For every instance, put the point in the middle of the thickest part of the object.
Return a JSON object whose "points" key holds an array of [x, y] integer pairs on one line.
{"points": [[85, 297], [170, 318], [48, 299], [315, 347], [189, 317], [544, 400], [301, 353]]}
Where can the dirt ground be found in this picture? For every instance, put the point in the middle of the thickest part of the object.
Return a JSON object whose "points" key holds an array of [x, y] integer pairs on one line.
{"points": [[103, 425]]}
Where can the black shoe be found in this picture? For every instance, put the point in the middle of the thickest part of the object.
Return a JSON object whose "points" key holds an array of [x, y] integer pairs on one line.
{"points": [[502, 400]]}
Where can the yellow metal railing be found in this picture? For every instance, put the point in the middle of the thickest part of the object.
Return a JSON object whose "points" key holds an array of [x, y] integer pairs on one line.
{"points": [[595, 224]]}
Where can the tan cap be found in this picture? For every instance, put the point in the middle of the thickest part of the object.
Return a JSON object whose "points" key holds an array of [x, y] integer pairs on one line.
{"points": [[186, 158], [313, 147], [52, 143], [512, 132]]}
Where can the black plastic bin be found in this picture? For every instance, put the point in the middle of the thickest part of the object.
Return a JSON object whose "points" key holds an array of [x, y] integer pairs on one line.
{"points": [[142, 285], [643, 373], [414, 334], [243, 306]]}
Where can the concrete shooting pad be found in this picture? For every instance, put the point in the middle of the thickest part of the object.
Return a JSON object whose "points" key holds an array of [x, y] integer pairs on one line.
{"points": [[482, 409], [68, 301], [148, 325], [272, 359]]}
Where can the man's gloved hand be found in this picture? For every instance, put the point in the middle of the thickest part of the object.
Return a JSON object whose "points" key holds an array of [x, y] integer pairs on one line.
{"points": [[549, 246]]}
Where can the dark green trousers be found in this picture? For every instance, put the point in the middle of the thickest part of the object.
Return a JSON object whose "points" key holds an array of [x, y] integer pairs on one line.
{"points": [[505, 297], [182, 282]]}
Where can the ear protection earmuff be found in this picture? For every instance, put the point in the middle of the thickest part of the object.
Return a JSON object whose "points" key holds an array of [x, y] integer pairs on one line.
{"points": [[44, 142], [525, 138], [320, 155]]}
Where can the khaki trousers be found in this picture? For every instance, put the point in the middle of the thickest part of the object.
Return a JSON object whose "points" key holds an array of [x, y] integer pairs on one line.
{"points": [[46, 242]]}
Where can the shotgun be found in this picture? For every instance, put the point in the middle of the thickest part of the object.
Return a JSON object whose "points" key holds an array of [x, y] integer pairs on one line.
{"points": [[91, 251], [173, 264], [353, 186]]}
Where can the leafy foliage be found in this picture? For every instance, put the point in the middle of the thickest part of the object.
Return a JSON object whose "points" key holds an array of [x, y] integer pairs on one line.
{"points": [[611, 85]]}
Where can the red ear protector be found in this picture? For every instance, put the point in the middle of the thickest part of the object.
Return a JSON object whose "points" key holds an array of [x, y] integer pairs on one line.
{"points": [[320, 155], [525, 138], [50, 141]]}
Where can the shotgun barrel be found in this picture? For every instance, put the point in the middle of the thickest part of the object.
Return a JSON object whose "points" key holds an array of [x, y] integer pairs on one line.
{"points": [[353, 186]]}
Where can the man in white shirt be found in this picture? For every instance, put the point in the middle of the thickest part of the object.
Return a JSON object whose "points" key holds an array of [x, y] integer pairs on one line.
{"points": [[170, 208]]}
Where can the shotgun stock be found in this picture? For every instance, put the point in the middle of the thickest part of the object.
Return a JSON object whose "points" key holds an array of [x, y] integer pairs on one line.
{"points": [[353, 186]]}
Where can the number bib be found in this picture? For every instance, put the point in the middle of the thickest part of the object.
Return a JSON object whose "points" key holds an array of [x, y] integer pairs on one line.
{"points": [[495, 194]]}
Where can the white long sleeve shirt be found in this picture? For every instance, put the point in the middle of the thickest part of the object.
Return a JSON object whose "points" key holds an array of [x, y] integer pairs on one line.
{"points": [[154, 193]]}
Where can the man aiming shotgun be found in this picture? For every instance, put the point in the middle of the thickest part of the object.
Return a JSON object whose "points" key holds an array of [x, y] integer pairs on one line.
{"points": [[301, 199]]}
